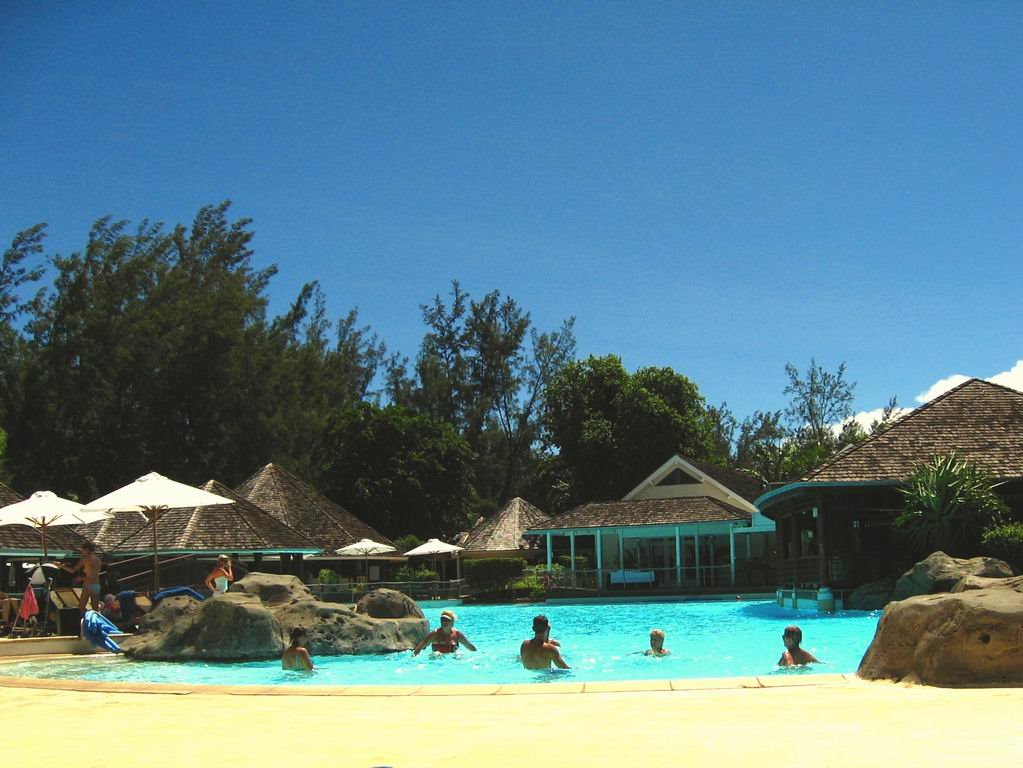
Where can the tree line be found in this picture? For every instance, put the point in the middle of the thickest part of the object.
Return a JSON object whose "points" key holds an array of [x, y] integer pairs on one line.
{"points": [[153, 348]]}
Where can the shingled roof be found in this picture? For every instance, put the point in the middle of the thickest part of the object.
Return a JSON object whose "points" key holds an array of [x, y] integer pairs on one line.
{"points": [[7, 496], [309, 512], [610, 514], [238, 527], [503, 529], [981, 422]]}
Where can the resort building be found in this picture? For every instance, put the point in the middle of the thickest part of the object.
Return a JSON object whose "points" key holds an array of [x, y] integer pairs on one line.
{"points": [[502, 534], [687, 527], [834, 526]]}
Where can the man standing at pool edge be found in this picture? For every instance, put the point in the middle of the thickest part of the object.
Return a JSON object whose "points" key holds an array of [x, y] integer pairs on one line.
{"points": [[538, 652]]}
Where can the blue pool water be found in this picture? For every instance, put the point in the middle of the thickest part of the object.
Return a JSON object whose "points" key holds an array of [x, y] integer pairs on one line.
{"points": [[600, 642]]}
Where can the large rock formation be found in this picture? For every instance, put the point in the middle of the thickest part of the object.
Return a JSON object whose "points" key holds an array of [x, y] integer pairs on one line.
{"points": [[253, 619], [939, 573], [231, 627], [971, 638]]}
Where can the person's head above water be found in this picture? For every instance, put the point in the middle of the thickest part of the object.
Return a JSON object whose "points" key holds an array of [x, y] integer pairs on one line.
{"points": [[448, 616], [540, 624], [656, 638], [298, 635], [793, 635]]}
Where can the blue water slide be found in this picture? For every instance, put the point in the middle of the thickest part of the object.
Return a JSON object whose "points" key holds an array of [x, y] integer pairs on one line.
{"points": [[97, 630]]}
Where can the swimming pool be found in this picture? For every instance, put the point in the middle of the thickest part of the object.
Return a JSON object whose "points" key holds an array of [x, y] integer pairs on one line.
{"points": [[601, 642]]}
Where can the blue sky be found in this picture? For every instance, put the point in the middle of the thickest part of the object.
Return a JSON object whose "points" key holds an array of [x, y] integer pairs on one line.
{"points": [[716, 187]]}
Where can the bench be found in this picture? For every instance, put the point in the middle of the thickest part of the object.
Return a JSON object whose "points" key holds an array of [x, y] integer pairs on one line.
{"points": [[632, 577]]}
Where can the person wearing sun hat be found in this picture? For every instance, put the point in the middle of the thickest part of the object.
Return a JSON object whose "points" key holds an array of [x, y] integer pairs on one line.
{"points": [[445, 639]]}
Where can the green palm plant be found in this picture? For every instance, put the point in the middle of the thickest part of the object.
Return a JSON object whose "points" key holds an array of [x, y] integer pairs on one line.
{"points": [[948, 504]]}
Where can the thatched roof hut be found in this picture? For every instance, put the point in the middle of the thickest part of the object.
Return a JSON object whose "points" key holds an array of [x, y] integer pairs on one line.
{"points": [[300, 506], [501, 534]]}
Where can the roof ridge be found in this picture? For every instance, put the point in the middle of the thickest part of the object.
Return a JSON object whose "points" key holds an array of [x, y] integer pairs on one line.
{"points": [[899, 422], [241, 502], [237, 509]]}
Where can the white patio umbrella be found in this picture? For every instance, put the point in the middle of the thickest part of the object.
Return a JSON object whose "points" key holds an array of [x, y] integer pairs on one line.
{"points": [[152, 494], [365, 548], [435, 547], [44, 509]]}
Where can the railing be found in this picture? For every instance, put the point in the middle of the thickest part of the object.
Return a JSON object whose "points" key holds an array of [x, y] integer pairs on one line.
{"points": [[173, 571], [799, 571], [418, 590], [611, 580]]}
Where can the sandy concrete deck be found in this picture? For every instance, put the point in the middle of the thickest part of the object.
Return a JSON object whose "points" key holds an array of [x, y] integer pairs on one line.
{"points": [[835, 722]]}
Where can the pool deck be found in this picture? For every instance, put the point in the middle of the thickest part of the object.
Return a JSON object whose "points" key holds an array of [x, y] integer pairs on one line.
{"points": [[808, 720]]}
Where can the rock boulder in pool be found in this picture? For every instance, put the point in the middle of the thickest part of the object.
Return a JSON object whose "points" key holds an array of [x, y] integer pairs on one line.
{"points": [[971, 638], [254, 618], [388, 604], [872, 596], [230, 627], [939, 573], [336, 629]]}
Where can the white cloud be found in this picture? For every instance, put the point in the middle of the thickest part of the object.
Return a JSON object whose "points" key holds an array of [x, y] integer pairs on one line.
{"points": [[1010, 378], [941, 386], [866, 418]]}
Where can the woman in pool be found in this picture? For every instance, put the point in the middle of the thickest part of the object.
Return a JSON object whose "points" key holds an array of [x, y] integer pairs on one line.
{"points": [[446, 638], [296, 656], [220, 576]]}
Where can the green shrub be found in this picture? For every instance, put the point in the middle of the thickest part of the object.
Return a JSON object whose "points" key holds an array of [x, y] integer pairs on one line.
{"points": [[1006, 543], [407, 573], [582, 562], [326, 576], [493, 574]]}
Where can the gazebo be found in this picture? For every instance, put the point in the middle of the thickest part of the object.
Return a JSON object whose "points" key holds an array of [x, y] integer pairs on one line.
{"points": [[501, 534], [834, 526], [300, 506]]}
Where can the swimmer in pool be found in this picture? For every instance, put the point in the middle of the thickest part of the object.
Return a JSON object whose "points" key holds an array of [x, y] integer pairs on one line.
{"points": [[296, 656], [445, 639], [657, 644], [539, 652], [795, 656]]}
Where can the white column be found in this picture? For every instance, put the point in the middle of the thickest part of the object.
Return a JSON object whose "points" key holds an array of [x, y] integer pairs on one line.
{"points": [[621, 553], [696, 539], [571, 554], [731, 551], [678, 555], [550, 551], [600, 558]]}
